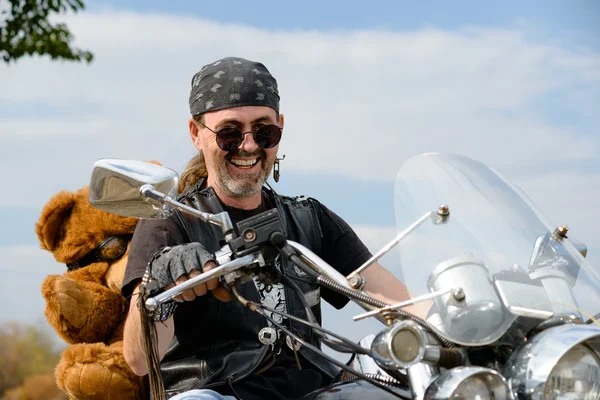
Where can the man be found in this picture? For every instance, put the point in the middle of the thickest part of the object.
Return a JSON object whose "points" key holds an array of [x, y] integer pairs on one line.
{"points": [[209, 342]]}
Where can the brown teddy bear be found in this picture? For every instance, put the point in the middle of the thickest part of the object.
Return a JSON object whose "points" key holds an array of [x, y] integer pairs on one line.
{"points": [[85, 305]]}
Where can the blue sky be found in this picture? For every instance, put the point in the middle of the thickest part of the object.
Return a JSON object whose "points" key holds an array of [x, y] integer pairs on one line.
{"points": [[575, 19], [365, 86], [573, 24]]}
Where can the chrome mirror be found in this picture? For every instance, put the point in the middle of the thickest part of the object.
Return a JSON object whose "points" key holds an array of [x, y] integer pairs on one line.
{"points": [[116, 187]]}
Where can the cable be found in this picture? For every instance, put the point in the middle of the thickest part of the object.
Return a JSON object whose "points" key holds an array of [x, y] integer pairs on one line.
{"points": [[360, 296], [387, 380], [355, 348], [328, 358], [594, 320], [346, 347], [279, 240]]}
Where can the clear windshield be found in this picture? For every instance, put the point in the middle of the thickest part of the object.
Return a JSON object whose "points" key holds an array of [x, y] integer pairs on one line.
{"points": [[495, 245]]}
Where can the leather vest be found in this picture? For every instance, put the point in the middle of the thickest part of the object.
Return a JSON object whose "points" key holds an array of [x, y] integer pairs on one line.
{"points": [[217, 343]]}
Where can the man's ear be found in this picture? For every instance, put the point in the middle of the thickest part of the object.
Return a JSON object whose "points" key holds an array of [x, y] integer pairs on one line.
{"points": [[53, 216], [281, 121], [195, 134]]}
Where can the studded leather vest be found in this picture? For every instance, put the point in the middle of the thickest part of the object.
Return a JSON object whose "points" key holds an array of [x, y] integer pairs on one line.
{"points": [[217, 343]]}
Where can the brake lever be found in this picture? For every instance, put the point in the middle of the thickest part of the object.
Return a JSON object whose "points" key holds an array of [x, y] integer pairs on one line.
{"points": [[152, 303]]}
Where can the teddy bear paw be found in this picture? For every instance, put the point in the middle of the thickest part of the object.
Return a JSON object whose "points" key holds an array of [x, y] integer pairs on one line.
{"points": [[96, 371], [67, 301]]}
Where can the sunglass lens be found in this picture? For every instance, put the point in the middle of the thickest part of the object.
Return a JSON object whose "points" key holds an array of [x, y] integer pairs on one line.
{"points": [[229, 139], [113, 248], [268, 136]]}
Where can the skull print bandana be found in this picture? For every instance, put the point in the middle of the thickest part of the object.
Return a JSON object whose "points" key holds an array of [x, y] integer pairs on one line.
{"points": [[232, 82]]}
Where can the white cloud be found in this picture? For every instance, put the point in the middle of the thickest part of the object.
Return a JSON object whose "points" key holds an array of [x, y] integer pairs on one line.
{"points": [[357, 103]]}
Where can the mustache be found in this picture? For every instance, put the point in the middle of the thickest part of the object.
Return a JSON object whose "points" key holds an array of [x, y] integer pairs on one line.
{"points": [[243, 153]]}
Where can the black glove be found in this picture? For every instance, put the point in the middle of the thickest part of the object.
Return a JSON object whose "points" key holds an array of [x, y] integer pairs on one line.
{"points": [[171, 263], [167, 265]]}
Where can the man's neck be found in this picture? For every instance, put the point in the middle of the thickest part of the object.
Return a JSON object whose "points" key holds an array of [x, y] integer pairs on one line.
{"points": [[245, 203]]}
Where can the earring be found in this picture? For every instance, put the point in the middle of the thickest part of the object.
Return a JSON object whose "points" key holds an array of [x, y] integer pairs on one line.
{"points": [[276, 168]]}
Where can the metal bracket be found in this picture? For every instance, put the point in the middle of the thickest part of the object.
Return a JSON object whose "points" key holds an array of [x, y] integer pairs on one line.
{"points": [[406, 303]]}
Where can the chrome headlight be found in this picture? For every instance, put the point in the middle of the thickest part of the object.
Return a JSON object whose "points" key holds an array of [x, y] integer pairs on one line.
{"points": [[575, 376], [400, 346], [473, 383], [559, 363]]}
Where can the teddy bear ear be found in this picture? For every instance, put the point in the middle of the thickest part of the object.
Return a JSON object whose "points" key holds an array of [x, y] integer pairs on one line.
{"points": [[52, 218]]}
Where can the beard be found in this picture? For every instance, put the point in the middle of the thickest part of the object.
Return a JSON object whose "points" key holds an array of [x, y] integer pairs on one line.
{"points": [[244, 186]]}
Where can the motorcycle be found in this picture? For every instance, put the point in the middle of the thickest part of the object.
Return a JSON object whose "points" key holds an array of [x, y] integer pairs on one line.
{"points": [[512, 303]]}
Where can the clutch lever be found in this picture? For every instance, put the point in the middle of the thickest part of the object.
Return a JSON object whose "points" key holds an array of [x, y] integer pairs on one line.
{"points": [[152, 303]]}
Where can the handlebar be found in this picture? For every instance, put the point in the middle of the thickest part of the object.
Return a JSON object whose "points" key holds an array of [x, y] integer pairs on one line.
{"points": [[152, 303]]}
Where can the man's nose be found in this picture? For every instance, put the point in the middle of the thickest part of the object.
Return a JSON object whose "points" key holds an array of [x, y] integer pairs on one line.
{"points": [[248, 144]]}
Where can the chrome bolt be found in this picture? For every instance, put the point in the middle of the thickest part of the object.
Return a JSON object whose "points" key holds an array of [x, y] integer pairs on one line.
{"points": [[389, 317], [562, 231], [249, 235], [443, 211], [459, 294], [292, 343], [355, 281], [267, 335]]}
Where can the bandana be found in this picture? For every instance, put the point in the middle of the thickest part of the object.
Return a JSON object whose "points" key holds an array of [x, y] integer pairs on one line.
{"points": [[232, 82]]}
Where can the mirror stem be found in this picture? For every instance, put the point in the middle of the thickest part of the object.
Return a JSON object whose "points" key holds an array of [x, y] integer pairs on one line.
{"points": [[222, 219], [355, 276]]}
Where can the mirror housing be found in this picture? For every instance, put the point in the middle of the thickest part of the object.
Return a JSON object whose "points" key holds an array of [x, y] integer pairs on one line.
{"points": [[116, 184]]}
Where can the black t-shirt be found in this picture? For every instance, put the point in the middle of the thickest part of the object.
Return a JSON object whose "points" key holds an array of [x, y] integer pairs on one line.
{"points": [[341, 248]]}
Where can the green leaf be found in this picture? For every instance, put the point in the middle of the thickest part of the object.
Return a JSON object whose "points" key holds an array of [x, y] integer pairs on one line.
{"points": [[28, 31]]}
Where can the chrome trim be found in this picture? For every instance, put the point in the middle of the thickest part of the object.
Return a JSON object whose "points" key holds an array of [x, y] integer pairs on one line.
{"points": [[382, 348], [313, 297], [555, 321], [321, 266], [529, 367], [365, 363], [448, 382], [221, 219], [478, 317], [142, 190], [432, 354], [420, 377], [580, 246], [530, 313], [115, 187]]}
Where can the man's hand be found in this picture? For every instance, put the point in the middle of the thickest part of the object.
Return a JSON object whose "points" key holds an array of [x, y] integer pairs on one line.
{"points": [[174, 265]]}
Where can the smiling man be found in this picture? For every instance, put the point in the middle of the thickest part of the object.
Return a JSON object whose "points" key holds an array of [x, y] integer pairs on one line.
{"points": [[211, 347], [238, 168]]}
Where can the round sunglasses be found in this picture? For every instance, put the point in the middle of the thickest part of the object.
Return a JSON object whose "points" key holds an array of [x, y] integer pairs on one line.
{"points": [[229, 139], [111, 249]]}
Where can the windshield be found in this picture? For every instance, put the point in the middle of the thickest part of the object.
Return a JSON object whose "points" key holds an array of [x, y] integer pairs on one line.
{"points": [[495, 245]]}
